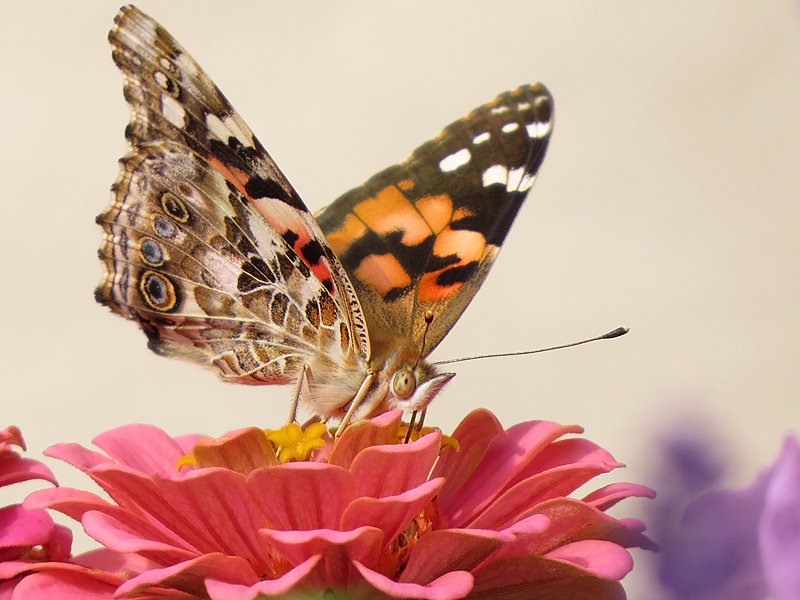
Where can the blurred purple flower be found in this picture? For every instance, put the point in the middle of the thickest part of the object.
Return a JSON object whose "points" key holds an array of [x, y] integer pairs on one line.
{"points": [[741, 544]]}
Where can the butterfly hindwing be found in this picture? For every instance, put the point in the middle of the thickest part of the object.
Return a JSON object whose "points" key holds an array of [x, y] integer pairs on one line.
{"points": [[207, 278], [423, 234]]}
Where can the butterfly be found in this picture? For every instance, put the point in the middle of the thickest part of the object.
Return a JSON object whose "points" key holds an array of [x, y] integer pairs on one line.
{"points": [[211, 250]]}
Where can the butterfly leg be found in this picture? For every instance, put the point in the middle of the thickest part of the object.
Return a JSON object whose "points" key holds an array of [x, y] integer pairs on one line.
{"points": [[301, 379], [357, 400], [412, 422]]}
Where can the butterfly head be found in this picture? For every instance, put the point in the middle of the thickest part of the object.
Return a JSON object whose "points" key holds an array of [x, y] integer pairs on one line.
{"points": [[409, 386]]}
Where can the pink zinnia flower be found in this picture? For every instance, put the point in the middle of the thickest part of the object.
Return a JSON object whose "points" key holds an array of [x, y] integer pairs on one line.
{"points": [[480, 515], [27, 537]]}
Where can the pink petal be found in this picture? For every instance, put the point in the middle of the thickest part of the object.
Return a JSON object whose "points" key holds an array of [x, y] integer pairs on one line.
{"points": [[302, 496], [59, 546], [473, 435], [12, 436], [20, 527], [451, 586], [365, 434], [296, 578], [337, 550], [779, 525], [382, 471], [71, 502], [571, 521], [107, 560], [604, 559], [506, 455], [569, 452], [7, 588], [209, 510], [76, 503], [14, 469], [77, 456], [391, 515], [189, 577], [12, 568], [540, 578], [243, 451], [144, 448], [633, 524], [527, 494], [440, 552], [532, 525], [187, 442], [608, 496], [114, 535], [63, 585]]}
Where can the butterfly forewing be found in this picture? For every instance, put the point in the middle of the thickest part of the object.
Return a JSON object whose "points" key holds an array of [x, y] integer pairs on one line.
{"points": [[422, 235], [188, 251], [172, 98]]}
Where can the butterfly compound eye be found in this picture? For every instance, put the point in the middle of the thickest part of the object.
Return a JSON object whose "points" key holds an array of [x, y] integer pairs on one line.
{"points": [[403, 384]]}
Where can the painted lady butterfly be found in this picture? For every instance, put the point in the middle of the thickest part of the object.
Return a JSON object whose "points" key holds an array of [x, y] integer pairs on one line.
{"points": [[211, 250]]}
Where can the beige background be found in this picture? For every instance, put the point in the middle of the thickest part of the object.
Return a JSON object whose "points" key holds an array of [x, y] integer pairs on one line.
{"points": [[668, 203]]}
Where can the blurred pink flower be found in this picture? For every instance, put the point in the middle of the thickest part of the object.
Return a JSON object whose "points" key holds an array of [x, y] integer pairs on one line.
{"points": [[484, 516], [27, 537]]}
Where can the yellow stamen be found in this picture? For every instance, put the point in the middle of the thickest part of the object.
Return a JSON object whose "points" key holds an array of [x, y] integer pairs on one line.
{"points": [[294, 444], [418, 433]]}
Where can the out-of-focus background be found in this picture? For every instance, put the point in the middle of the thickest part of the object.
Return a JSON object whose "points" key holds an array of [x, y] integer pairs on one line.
{"points": [[669, 202]]}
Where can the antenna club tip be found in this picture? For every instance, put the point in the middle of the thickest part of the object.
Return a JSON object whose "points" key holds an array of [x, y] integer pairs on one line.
{"points": [[616, 333]]}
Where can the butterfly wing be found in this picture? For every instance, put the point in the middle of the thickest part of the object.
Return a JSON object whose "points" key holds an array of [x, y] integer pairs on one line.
{"points": [[422, 235], [207, 244]]}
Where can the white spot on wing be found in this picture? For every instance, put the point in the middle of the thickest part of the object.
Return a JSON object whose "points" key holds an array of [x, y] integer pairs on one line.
{"points": [[161, 79], [538, 129], [481, 137], [499, 110], [509, 127], [514, 178], [173, 111], [240, 130], [187, 64], [455, 160], [495, 174], [217, 128], [527, 182], [523, 106]]}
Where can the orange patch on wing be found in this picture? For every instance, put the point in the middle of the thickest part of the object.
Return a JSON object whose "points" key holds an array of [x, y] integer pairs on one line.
{"points": [[391, 211], [467, 245], [405, 185], [341, 239], [277, 214], [430, 291], [382, 272], [437, 211], [462, 213], [236, 176]]}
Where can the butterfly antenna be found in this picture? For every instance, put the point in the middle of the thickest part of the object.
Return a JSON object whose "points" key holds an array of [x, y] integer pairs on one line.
{"points": [[607, 336], [428, 320]]}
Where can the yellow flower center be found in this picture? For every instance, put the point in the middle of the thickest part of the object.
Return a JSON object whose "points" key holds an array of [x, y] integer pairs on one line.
{"points": [[293, 444]]}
